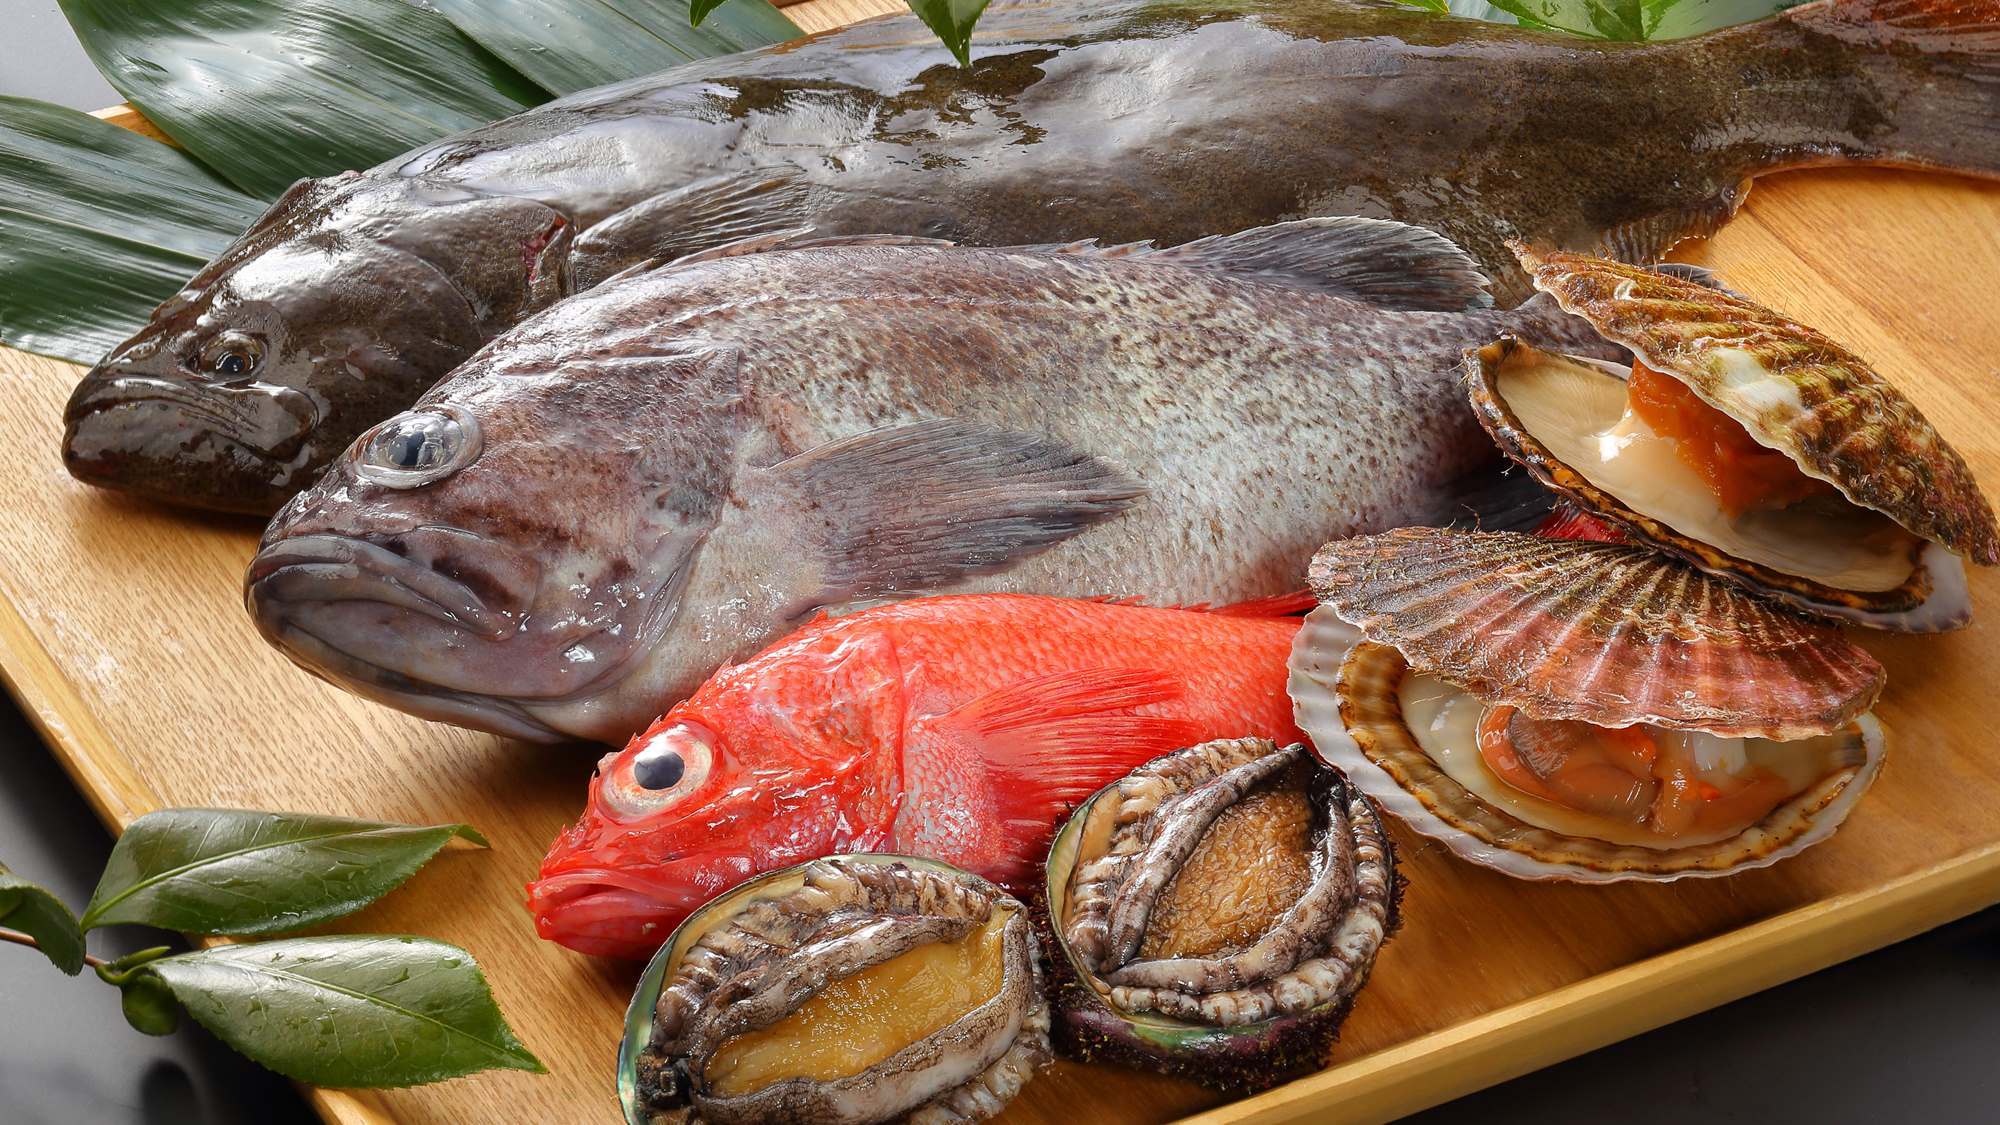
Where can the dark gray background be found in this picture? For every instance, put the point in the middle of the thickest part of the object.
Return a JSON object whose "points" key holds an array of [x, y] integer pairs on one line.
{"points": [[1907, 1034]]}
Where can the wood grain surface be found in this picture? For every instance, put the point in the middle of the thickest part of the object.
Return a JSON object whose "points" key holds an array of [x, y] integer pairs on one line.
{"points": [[122, 633]]}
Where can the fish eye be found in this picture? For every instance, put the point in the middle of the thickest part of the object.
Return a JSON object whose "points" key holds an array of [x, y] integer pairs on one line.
{"points": [[668, 766], [231, 357], [419, 447]]}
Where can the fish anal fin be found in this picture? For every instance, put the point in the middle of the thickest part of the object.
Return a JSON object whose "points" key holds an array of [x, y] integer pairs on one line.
{"points": [[1646, 240], [921, 506], [1389, 264]]}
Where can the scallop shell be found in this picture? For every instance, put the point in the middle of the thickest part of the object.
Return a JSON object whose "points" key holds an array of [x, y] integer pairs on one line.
{"points": [[1604, 633], [1932, 600], [1345, 698], [1793, 389]]}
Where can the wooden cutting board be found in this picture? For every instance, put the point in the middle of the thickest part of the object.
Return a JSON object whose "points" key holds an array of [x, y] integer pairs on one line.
{"points": [[122, 632]]}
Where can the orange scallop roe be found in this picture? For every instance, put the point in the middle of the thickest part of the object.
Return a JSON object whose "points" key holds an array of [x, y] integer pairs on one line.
{"points": [[1623, 774], [1744, 475]]}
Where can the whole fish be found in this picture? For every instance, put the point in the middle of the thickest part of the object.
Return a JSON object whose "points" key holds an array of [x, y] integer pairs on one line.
{"points": [[574, 529], [960, 728], [1120, 120]]}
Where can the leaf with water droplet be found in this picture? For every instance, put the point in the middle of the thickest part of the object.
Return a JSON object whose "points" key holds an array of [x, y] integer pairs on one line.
{"points": [[33, 910], [234, 871], [952, 21], [348, 1010]]}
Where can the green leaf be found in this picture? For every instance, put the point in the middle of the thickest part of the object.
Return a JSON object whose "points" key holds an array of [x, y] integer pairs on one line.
{"points": [[1596, 19], [149, 1005], [348, 1011], [1673, 19], [269, 91], [31, 909], [232, 871], [952, 20], [98, 225], [568, 45]]}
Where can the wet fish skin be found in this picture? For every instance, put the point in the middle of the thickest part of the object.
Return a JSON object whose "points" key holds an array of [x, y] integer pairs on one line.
{"points": [[961, 728], [1160, 119], [681, 465]]}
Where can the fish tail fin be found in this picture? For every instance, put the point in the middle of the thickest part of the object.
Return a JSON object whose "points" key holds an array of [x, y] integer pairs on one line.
{"points": [[1936, 68]]}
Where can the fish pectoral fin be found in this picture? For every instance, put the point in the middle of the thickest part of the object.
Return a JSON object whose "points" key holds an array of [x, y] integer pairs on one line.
{"points": [[740, 207], [1072, 731], [925, 505], [1389, 264]]}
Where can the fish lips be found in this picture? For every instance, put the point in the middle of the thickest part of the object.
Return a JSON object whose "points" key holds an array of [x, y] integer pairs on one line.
{"points": [[606, 912], [376, 618], [233, 448]]}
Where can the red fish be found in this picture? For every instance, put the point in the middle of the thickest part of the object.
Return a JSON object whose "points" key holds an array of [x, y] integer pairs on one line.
{"points": [[959, 727]]}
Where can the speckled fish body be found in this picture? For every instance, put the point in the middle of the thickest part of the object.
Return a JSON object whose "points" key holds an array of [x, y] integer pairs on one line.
{"points": [[1120, 120], [662, 475]]}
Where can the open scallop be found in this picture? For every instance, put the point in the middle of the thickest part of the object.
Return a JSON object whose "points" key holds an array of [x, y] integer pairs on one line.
{"points": [[1746, 444], [1559, 709], [862, 988], [1213, 913]]}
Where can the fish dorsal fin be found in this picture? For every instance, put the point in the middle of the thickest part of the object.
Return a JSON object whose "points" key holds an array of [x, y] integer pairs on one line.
{"points": [[1393, 265], [922, 506], [801, 238]]}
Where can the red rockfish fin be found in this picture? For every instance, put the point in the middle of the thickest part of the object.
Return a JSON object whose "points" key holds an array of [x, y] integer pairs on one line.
{"points": [[1277, 605], [1073, 730], [1571, 522]]}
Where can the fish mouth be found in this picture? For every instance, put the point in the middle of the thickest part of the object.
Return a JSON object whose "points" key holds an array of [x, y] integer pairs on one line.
{"points": [[367, 617], [607, 913], [228, 448], [333, 568]]}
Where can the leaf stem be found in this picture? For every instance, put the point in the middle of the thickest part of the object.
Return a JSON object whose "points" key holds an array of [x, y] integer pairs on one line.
{"points": [[19, 938]]}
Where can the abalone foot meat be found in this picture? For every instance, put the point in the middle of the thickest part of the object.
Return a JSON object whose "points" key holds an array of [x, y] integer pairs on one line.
{"points": [[1563, 709], [862, 988], [1742, 443], [1213, 914]]}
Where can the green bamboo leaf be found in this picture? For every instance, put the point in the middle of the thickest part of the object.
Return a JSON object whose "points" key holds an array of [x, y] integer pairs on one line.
{"points": [[269, 91], [232, 871], [1594, 19], [952, 21], [98, 225], [568, 45], [350, 1010], [31, 909], [1673, 19]]}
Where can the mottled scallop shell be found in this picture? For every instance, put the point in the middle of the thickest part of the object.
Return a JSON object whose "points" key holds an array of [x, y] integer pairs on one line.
{"points": [[742, 966], [1213, 913], [1603, 633], [1345, 695], [1793, 389], [1926, 590]]}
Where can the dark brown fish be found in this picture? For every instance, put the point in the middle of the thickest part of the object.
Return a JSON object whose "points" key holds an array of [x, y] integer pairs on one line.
{"points": [[1160, 119]]}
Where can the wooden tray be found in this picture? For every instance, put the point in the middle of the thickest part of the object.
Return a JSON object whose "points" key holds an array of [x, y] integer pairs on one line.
{"points": [[122, 633]]}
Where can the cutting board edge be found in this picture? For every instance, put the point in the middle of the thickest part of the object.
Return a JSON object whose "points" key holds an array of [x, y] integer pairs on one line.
{"points": [[1603, 1009]]}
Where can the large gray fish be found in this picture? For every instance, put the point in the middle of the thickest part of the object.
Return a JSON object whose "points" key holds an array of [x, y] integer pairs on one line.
{"points": [[1116, 119], [570, 532]]}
